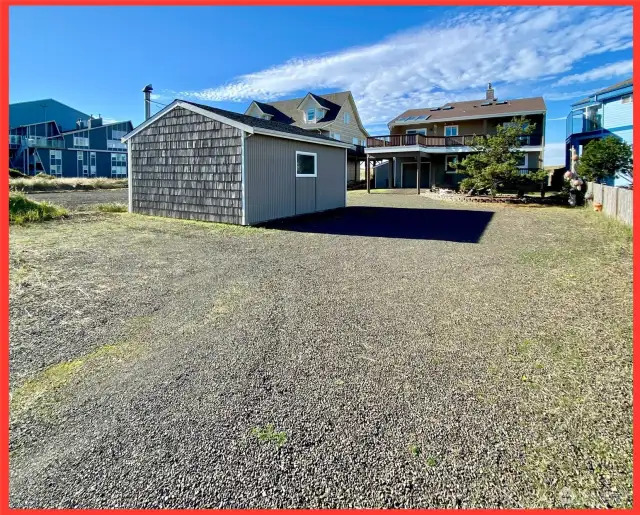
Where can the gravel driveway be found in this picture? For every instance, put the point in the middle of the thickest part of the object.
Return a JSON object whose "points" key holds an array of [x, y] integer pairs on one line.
{"points": [[79, 200], [400, 353]]}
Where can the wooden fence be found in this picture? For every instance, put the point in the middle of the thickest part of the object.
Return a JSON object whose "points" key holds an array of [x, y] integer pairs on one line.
{"points": [[616, 202]]}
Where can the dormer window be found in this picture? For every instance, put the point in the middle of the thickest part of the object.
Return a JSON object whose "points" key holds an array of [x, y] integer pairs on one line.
{"points": [[311, 115]]}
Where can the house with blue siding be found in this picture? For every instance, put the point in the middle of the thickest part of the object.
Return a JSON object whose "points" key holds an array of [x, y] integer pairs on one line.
{"points": [[608, 112], [47, 136]]}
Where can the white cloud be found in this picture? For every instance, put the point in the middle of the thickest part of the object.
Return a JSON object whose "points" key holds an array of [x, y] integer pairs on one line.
{"points": [[106, 121], [568, 95], [554, 154], [604, 72], [514, 48]]}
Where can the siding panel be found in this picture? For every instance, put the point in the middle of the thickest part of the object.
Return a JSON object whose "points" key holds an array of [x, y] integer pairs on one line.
{"points": [[187, 166], [270, 177]]}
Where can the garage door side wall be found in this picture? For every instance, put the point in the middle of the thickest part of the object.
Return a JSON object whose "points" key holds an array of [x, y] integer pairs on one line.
{"points": [[270, 177], [187, 166]]}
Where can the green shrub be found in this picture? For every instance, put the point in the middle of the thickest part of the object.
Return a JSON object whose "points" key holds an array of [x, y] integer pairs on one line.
{"points": [[466, 184], [23, 210], [112, 207]]}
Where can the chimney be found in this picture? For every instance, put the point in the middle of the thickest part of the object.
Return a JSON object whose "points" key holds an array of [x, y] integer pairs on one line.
{"points": [[490, 92], [147, 101]]}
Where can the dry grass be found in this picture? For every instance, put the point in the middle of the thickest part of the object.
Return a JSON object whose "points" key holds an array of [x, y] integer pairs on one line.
{"points": [[53, 184]]}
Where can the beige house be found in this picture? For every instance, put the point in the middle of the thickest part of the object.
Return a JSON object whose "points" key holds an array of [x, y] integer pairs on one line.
{"points": [[334, 115], [426, 142]]}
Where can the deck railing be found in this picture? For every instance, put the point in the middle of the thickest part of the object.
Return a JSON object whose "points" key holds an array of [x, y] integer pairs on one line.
{"points": [[35, 141], [409, 140]]}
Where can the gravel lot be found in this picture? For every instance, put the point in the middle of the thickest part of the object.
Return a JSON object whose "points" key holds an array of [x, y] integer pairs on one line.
{"points": [[81, 200], [408, 353]]}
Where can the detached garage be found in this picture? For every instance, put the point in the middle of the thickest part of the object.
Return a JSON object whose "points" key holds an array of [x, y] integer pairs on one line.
{"points": [[202, 163]]}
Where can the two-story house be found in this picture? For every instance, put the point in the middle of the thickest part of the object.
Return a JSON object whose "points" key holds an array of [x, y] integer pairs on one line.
{"points": [[334, 115], [608, 112], [50, 137], [434, 138]]}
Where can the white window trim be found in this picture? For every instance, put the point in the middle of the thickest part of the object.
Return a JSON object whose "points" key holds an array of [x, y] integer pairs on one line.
{"points": [[315, 163], [411, 132], [315, 115], [447, 156], [450, 135], [526, 162]]}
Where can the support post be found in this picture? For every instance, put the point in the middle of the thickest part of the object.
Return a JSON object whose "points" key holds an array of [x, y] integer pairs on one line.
{"points": [[418, 173], [367, 174], [391, 172]]}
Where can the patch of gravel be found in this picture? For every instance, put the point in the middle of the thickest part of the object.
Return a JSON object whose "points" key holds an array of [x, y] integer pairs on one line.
{"points": [[81, 200], [405, 372]]}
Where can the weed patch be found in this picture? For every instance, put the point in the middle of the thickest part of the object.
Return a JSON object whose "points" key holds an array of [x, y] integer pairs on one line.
{"points": [[268, 434], [23, 210], [112, 207]]}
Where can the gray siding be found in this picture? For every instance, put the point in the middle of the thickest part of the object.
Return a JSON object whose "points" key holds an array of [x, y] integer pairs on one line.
{"points": [[187, 166], [270, 178], [305, 195]]}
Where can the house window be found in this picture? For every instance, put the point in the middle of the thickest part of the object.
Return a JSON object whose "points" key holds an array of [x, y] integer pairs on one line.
{"points": [[55, 162], [523, 164], [627, 99], [118, 165], [336, 136], [355, 141], [306, 164], [311, 114], [319, 114], [79, 141], [417, 131], [451, 130], [450, 162], [347, 118], [364, 143]]}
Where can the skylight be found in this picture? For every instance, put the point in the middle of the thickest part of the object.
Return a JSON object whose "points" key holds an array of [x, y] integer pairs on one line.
{"points": [[423, 117], [434, 109], [446, 108], [486, 104], [502, 102]]}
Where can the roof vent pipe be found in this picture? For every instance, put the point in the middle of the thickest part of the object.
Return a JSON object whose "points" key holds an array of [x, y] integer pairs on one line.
{"points": [[147, 101]]}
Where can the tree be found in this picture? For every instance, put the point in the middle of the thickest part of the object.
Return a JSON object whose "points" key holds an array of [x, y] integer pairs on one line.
{"points": [[495, 158], [606, 158]]}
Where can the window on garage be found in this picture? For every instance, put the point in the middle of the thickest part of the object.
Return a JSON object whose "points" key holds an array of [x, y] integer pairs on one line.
{"points": [[306, 164]]}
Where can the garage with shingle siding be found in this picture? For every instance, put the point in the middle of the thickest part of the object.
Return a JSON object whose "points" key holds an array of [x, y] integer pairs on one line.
{"points": [[202, 163]]}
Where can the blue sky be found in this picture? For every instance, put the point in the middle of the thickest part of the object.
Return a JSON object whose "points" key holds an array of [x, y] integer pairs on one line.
{"points": [[97, 59]]}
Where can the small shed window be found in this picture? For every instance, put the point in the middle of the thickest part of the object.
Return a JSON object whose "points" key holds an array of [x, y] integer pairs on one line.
{"points": [[306, 164]]}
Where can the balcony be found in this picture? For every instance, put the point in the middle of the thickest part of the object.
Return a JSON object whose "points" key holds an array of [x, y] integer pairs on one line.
{"points": [[35, 141], [411, 140]]}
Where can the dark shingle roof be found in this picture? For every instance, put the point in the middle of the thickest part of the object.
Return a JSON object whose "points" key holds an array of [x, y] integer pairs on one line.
{"points": [[288, 109], [278, 116], [474, 108], [619, 85], [252, 121]]}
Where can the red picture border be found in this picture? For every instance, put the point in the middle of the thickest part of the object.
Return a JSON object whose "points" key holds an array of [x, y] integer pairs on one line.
{"points": [[4, 214]]}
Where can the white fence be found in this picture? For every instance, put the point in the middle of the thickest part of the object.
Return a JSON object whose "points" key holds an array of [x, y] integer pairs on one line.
{"points": [[616, 202]]}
